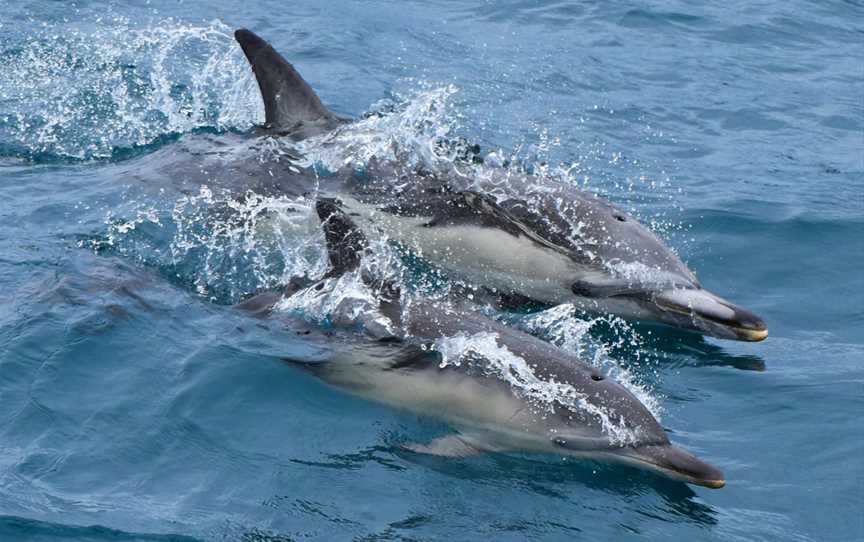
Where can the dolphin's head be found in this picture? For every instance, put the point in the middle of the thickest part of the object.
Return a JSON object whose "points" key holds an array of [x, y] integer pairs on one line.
{"points": [[630, 270], [609, 422], [699, 309]]}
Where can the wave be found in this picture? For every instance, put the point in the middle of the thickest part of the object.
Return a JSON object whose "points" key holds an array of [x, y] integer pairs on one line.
{"points": [[101, 93], [18, 528]]}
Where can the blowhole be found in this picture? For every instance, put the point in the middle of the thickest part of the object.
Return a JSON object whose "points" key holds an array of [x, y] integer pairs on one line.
{"points": [[596, 377], [620, 218]]}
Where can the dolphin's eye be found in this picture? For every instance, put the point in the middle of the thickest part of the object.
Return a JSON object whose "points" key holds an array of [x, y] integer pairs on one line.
{"points": [[580, 289], [619, 217], [596, 377]]}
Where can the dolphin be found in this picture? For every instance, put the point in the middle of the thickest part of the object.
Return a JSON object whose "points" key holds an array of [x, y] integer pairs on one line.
{"points": [[507, 391], [552, 245]]}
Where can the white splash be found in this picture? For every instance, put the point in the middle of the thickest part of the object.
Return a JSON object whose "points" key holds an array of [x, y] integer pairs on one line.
{"points": [[568, 328], [270, 238], [412, 133], [344, 301], [84, 94]]}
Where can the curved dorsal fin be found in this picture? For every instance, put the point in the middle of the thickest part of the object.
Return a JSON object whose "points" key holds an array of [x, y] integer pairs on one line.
{"points": [[288, 99], [346, 245]]}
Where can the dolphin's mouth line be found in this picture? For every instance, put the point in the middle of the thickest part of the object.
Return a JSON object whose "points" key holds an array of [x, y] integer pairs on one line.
{"points": [[746, 333], [754, 335], [704, 482]]}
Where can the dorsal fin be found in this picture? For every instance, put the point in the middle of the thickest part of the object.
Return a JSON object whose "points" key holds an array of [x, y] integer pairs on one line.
{"points": [[288, 100], [345, 242], [346, 245]]}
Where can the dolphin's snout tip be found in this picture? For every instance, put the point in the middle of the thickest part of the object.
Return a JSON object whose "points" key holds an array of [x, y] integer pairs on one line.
{"points": [[713, 484], [747, 326], [752, 335]]}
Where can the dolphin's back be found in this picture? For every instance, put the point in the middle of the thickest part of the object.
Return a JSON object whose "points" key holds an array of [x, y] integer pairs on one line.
{"points": [[597, 230], [548, 363]]}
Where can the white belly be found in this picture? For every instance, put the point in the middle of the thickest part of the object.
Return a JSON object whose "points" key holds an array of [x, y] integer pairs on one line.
{"points": [[469, 404], [480, 255]]}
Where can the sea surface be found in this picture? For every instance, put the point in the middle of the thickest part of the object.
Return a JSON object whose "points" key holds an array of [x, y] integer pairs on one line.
{"points": [[137, 404]]}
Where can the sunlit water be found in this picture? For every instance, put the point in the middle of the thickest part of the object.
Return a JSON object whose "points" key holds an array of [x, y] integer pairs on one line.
{"points": [[137, 404]]}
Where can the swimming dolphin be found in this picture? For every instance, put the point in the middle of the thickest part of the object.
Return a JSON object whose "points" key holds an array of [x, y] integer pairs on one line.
{"points": [[555, 245], [553, 403]]}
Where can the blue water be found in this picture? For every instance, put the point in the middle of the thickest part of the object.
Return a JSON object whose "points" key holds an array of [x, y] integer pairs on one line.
{"points": [[136, 404]]}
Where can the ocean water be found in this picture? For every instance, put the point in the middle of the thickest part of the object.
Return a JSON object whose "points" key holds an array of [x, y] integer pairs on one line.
{"points": [[137, 404]]}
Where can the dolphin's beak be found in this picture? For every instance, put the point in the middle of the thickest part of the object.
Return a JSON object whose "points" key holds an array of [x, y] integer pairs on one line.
{"points": [[711, 314], [675, 463]]}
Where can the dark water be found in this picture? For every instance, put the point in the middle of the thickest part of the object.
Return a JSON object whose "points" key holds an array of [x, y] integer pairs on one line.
{"points": [[135, 404]]}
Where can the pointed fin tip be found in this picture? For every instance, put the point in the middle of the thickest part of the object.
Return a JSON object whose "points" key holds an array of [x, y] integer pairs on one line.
{"points": [[244, 35], [250, 42], [288, 99]]}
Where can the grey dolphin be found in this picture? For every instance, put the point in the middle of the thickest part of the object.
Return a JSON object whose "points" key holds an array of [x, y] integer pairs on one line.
{"points": [[557, 245], [561, 406]]}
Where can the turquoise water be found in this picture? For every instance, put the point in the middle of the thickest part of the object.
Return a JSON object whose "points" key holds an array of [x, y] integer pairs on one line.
{"points": [[138, 405]]}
